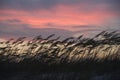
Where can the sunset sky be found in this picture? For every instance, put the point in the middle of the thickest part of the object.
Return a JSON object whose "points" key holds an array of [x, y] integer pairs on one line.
{"points": [[62, 17]]}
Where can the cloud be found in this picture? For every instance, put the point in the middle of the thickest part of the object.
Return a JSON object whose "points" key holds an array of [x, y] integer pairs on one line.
{"points": [[11, 30], [52, 8], [84, 26], [27, 4], [64, 17], [48, 4], [31, 17], [115, 5], [13, 20], [14, 31]]}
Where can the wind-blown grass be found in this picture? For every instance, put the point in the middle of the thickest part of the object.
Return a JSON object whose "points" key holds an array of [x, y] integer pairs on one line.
{"points": [[100, 53]]}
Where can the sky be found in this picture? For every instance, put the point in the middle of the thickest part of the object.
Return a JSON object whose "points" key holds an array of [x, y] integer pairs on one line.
{"points": [[62, 17]]}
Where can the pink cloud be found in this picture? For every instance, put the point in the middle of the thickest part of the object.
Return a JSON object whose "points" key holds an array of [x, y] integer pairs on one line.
{"points": [[61, 15]]}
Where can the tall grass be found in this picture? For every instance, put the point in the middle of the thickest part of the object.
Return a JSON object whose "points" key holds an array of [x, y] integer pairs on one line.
{"points": [[53, 59], [47, 51]]}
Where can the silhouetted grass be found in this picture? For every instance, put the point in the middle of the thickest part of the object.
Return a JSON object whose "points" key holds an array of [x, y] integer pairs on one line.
{"points": [[100, 54]]}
